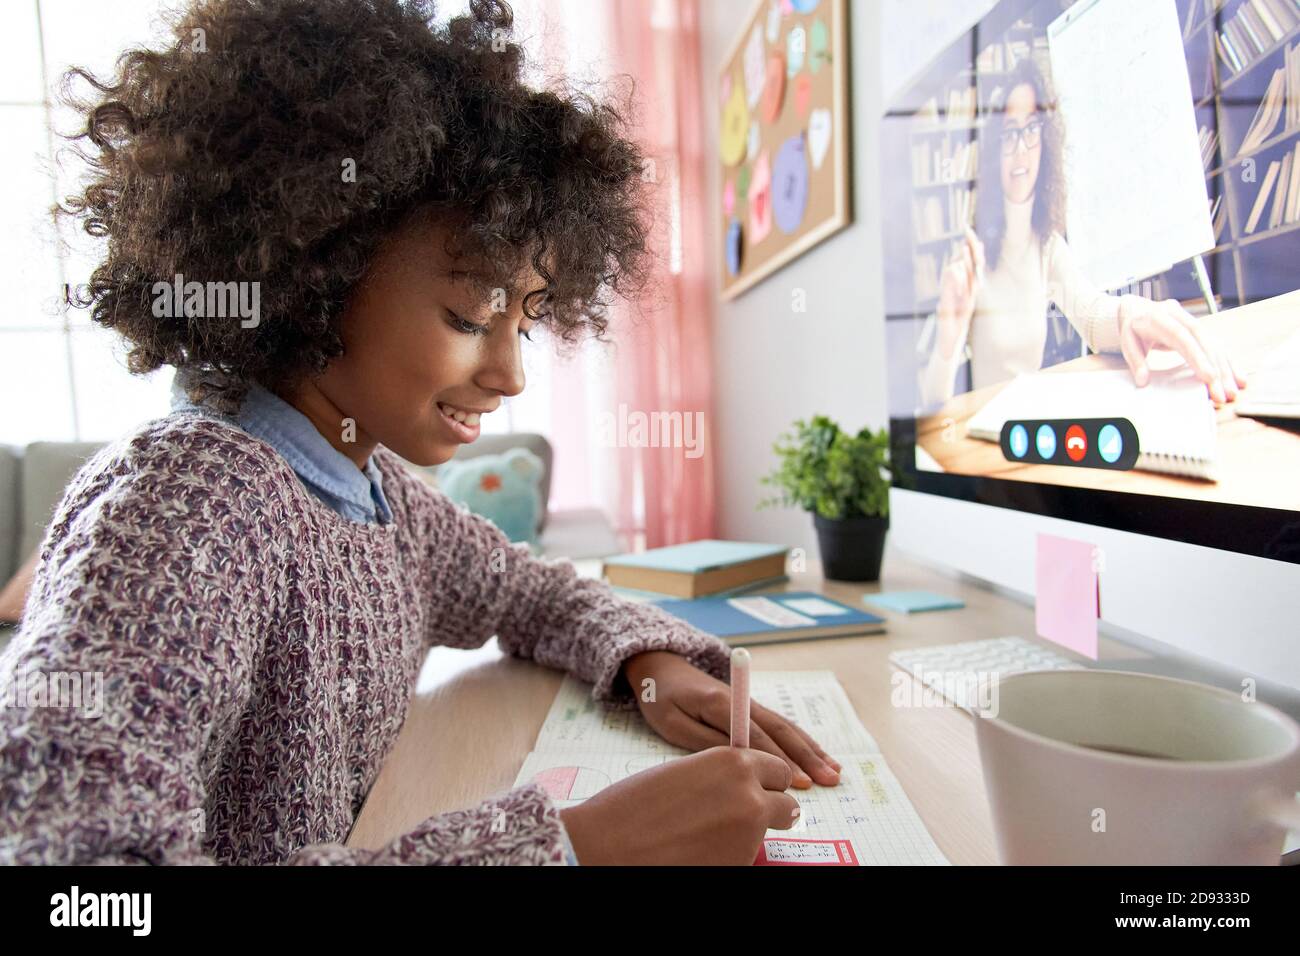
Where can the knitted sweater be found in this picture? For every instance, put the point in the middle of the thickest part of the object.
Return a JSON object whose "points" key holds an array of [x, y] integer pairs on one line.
{"points": [[257, 653]]}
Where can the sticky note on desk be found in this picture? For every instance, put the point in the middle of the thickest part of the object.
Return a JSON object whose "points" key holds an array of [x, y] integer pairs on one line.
{"points": [[912, 602], [1066, 600]]}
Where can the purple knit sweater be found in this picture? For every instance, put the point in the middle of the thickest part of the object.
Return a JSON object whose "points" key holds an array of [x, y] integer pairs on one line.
{"points": [[258, 652]]}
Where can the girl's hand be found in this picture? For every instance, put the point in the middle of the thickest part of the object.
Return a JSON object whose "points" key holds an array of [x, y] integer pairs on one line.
{"points": [[693, 710], [708, 808], [1145, 325], [958, 287]]}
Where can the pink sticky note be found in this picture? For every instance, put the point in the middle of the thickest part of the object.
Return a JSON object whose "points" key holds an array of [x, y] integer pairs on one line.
{"points": [[1066, 604], [759, 199]]}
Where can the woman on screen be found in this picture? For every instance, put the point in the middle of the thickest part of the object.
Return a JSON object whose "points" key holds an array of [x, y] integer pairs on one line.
{"points": [[995, 289]]}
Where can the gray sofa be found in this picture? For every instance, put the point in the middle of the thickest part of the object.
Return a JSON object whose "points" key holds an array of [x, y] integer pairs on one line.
{"points": [[32, 480]]}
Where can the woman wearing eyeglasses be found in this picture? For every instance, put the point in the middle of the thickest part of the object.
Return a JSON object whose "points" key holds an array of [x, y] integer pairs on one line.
{"points": [[995, 288]]}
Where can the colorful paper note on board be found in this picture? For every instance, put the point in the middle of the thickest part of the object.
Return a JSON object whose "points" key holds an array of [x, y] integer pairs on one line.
{"points": [[790, 185], [754, 67], [819, 136], [796, 45], [820, 45], [802, 94], [784, 213], [1066, 599], [773, 89], [734, 247], [760, 200], [735, 122]]}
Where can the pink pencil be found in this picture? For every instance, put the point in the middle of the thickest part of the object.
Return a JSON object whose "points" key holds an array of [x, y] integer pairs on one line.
{"points": [[740, 697]]}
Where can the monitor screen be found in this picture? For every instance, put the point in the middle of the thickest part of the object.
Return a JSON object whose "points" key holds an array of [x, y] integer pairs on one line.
{"points": [[1092, 263]]}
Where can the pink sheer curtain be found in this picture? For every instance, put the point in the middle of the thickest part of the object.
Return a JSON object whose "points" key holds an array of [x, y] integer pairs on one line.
{"points": [[654, 385]]}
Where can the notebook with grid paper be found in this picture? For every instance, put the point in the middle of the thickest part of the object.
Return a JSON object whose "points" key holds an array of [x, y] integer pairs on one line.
{"points": [[866, 820]]}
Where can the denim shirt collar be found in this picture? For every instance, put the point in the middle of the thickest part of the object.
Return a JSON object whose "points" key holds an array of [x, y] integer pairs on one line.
{"points": [[355, 493]]}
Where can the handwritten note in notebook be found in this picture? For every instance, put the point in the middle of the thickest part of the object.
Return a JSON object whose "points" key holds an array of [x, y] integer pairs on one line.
{"points": [[584, 747], [1174, 418]]}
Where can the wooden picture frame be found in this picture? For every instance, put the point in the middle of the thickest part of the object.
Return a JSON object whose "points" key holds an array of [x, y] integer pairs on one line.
{"points": [[786, 107]]}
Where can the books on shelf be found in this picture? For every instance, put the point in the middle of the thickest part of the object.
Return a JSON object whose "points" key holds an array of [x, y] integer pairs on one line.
{"points": [[1261, 198], [1281, 184], [961, 207], [1002, 57], [1209, 139], [1218, 217], [1270, 110], [1291, 64], [1275, 218], [1292, 213], [961, 106], [698, 568], [925, 269], [947, 162], [1255, 28], [927, 218]]}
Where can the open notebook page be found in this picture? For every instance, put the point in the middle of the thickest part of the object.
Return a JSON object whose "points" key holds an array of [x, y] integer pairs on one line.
{"points": [[866, 820]]}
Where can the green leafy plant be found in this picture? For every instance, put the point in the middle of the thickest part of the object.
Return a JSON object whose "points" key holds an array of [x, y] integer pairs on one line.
{"points": [[831, 472]]}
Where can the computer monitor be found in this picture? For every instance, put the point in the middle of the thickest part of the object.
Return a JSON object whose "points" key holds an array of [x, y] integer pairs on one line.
{"points": [[1088, 206]]}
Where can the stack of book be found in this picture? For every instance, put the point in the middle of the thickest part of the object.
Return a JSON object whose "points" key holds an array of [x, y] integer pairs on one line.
{"points": [[1255, 29], [698, 569]]}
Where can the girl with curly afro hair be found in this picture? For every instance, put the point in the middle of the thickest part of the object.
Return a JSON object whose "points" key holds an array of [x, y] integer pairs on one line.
{"points": [[337, 219]]}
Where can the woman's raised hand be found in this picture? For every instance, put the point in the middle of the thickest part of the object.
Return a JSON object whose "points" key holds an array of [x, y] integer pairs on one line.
{"points": [[960, 284]]}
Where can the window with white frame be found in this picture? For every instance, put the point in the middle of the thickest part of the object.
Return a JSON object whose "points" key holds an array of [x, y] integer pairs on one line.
{"points": [[63, 378]]}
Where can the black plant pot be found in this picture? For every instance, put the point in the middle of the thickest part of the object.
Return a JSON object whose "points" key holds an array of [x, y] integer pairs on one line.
{"points": [[851, 547]]}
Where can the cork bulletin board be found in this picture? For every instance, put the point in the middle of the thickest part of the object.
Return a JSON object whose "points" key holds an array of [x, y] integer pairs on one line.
{"points": [[783, 138]]}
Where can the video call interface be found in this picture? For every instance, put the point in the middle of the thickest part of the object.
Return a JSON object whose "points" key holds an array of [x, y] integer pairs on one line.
{"points": [[1091, 279]]}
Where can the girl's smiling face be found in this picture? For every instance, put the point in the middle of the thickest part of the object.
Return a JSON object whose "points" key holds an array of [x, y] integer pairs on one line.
{"points": [[428, 339]]}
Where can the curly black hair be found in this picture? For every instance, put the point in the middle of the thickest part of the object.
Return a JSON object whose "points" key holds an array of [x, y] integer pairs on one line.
{"points": [[224, 156]]}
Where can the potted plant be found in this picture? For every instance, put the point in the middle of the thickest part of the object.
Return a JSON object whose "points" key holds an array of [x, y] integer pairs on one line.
{"points": [[841, 479]]}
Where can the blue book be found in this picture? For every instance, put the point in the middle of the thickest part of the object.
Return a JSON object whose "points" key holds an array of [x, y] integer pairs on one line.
{"points": [[768, 618], [912, 602], [697, 568]]}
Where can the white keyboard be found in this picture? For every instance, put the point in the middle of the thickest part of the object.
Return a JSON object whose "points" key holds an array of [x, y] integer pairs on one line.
{"points": [[957, 671]]}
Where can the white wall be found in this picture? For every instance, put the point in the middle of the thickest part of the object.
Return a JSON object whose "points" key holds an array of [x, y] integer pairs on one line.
{"points": [[772, 365]]}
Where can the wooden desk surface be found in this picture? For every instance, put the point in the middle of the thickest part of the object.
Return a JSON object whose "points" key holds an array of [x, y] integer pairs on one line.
{"points": [[476, 715], [1255, 460]]}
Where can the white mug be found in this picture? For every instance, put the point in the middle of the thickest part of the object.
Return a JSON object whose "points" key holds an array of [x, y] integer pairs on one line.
{"points": [[1108, 767]]}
